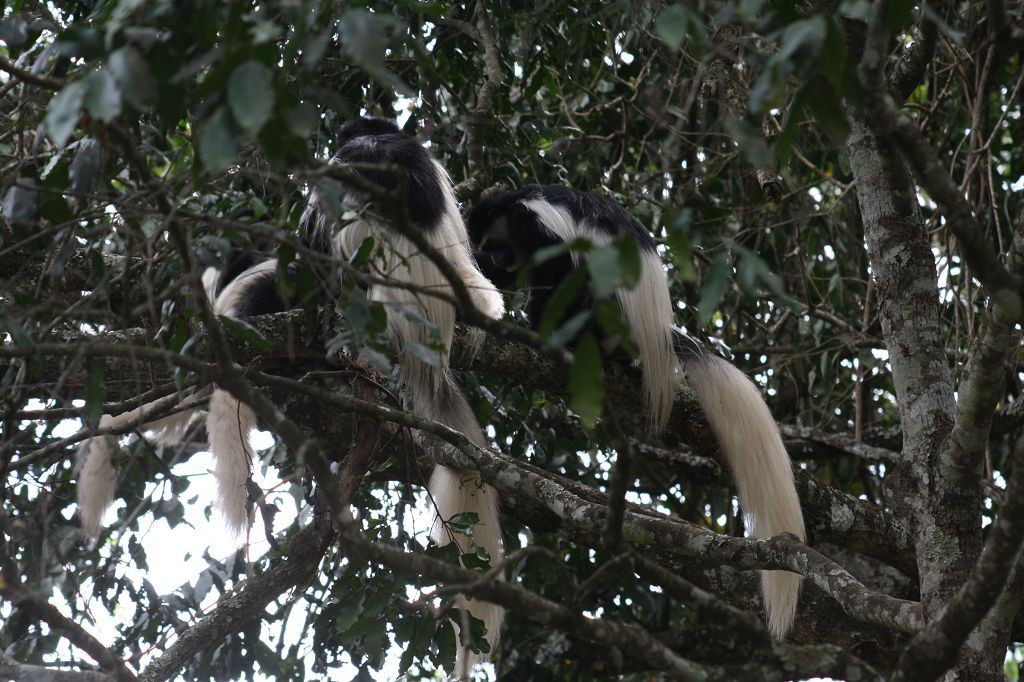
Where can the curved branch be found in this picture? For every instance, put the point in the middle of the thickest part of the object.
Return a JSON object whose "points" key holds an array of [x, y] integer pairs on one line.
{"points": [[299, 564], [25, 599]]}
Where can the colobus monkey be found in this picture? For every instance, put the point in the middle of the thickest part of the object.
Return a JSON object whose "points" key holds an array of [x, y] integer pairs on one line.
{"points": [[509, 229], [379, 151], [433, 393]]}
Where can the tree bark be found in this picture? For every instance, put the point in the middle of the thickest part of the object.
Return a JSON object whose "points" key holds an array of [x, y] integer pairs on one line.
{"points": [[941, 497]]}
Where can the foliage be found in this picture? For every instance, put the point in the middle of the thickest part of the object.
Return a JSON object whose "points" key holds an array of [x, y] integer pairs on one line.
{"points": [[223, 111]]}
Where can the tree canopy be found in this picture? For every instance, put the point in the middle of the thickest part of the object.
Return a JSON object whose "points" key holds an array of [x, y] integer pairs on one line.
{"points": [[836, 193]]}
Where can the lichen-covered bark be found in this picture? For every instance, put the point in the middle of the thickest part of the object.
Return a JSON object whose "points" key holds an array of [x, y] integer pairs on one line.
{"points": [[943, 497]]}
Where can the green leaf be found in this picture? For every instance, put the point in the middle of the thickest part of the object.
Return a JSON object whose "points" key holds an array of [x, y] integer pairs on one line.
{"points": [[824, 102], [251, 95], [303, 119], [132, 74], [559, 303], [64, 111], [679, 244], [363, 252], [21, 203], [427, 355], [14, 32], [586, 381], [605, 270], [103, 98], [54, 207], [446, 642], [671, 25], [378, 360], [568, 330], [750, 141], [630, 263], [218, 143], [802, 40], [714, 288], [464, 522], [95, 392], [476, 637], [85, 168], [364, 39], [244, 331]]}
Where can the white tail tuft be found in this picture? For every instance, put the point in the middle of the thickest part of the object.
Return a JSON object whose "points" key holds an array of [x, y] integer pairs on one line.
{"points": [[97, 479], [430, 386], [456, 491], [228, 426], [230, 423], [751, 444]]}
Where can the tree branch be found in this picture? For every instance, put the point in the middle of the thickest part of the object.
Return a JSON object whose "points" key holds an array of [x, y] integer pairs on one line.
{"points": [[12, 670], [936, 647], [909, 70], [23, 598], [298, 565]]}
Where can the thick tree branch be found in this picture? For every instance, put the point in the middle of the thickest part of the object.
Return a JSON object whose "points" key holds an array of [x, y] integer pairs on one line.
{"points": [[721, 85], [482, 114], [29, 77], [22, 672], [907, 73], [936, 647], [24, 598], [298, 565], [832, 515]]}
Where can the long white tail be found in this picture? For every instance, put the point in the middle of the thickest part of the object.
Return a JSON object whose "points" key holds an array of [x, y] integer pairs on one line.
{"points": [[744, 427], [430, 385], [228, 427], [457, 491], [750, 441], [97, 478], [230, 423]]}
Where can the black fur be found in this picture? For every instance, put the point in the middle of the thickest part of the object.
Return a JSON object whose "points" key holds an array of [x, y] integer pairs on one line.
{"points": [[604, 215], [507, 235], [374, 141], [261, 294]]}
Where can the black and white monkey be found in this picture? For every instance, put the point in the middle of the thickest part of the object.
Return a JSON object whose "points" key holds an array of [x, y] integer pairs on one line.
{"points": [[509, 229], [379, 151]]}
